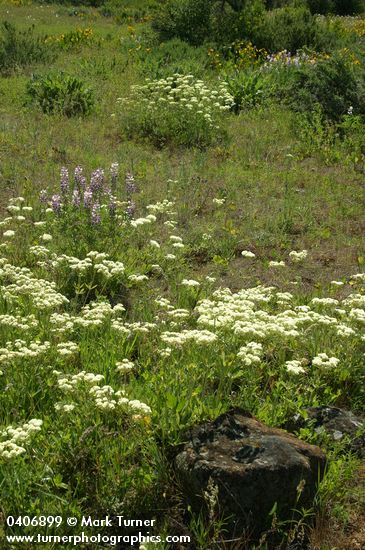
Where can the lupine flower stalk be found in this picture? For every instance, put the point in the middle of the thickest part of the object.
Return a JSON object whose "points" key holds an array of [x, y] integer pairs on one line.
{"points": [[65, 182], [130, 185], [88, 198], [56, 203], [95, 214]]}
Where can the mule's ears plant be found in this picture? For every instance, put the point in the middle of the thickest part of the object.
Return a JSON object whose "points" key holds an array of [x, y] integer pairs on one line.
{"points": [[60, 94]]}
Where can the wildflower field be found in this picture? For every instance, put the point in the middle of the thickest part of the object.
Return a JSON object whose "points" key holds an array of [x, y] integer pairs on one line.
{"points": [[181, 233]]}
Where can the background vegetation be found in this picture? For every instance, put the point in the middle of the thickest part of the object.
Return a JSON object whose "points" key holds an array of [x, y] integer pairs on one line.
{"points": [[247, 119]]}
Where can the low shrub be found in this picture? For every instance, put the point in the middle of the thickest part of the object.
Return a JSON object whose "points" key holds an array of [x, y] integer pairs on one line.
{"points": [[157, 60], [336, 84], [179, 110], [288, 28], [339, 7], [21, 48], [188, 20], [60, 93], [129, 9], [92, 3]]}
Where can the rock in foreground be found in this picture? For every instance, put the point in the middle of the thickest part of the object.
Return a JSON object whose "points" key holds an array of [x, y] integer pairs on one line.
{"points": [[254, 467], [338, 424]]}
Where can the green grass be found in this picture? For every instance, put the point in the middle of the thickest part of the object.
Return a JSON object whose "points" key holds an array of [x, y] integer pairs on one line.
{"points": [[95, 461]]}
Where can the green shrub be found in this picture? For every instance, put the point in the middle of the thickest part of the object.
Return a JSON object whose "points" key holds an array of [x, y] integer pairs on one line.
{"points": [[339, 7], [179, 110], [188, 20], [60, 93], [174, 56], [289, 28], [336, 84], [129, 9], [92, 3], [21, 48]]}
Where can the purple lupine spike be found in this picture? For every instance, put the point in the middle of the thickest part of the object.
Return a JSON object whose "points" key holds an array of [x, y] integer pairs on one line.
{"points": [[43, 196], [131, 208], [95, 214], [114, 168], [76, 199], [130, 183], [82, 183], [112, 206], [65, 182], [56, 203], [88, 198], [78, 174], [97, 180]]}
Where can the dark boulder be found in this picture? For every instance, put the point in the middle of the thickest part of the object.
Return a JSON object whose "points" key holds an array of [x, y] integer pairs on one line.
{"points": [[338, 424], [254, 468]]}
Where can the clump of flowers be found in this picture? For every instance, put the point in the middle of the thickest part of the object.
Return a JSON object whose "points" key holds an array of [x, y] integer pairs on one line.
{"points": [[298, 257], [74, 38], [285, 58], [250, 354], [10, 447], [94, 199], [177, 109], [322, 360]]}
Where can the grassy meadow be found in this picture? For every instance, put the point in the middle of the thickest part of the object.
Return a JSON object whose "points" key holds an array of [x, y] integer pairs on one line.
{"points": [[171, 248]]}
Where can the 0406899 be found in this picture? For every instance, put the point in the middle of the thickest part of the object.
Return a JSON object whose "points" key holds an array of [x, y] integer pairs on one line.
{"points": [[35, 521]]}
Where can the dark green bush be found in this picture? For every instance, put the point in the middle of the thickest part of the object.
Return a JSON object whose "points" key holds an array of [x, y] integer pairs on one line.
{"points": [[189, 20], [60, 93], [336, 84], [21, 48], [339, 7], [92, 3], [287, 28]]}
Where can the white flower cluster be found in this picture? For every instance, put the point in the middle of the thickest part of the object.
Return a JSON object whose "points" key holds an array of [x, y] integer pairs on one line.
{"points": [[199, 337], [23, 283], [294, 367], [105, 397], [163, 207], [182, 95], [150, 218], [250, 354], [358, 315], [137, 278], [354, 300], [19, 322], [10, 448], [128, 329], [98, 261], [242, 313], [67, 383], [322, 360], [61, 323], [39, 251], [247, 254], [298, 257], [65, 349], [190, 282], [124, 366], [20, 349]]}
